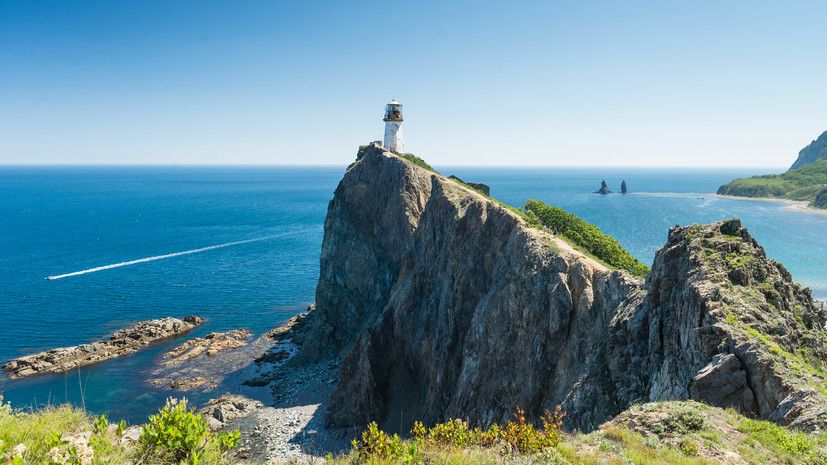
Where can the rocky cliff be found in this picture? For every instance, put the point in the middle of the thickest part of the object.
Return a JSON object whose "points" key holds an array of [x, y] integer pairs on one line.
{"points": [[447, 305], [814, 151]]}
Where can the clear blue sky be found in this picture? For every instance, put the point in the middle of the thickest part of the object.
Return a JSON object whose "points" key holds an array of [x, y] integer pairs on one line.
{"points": [[693, 83]]}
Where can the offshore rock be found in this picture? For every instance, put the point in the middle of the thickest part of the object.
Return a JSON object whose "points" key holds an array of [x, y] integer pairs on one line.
{"points": [[124, 342], [447, 306], [623, 187], [478, 186], [604, 189], [210, 345]]}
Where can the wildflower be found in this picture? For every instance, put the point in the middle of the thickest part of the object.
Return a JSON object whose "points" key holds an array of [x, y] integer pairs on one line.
{"points": [[54, 452], [19, 450], [173, 402]]}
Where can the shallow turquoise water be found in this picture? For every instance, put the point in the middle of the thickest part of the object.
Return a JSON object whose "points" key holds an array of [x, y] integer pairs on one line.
{"points": [[64, 220]]}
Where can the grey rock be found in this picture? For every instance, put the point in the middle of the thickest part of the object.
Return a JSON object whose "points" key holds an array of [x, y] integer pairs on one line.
{"points": [[447, 306], [604, 189], [131, 435], [723, 382], [123, 342]]}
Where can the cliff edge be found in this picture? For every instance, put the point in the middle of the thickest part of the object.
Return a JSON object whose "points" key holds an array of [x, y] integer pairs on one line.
{"points": [[444, 304]]}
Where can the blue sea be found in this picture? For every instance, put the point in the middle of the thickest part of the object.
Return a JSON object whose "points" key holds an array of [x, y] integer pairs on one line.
{"points": [[240, 246]]}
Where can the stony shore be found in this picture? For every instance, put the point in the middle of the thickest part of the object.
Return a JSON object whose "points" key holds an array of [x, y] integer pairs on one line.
{"points": [[123, 342]]}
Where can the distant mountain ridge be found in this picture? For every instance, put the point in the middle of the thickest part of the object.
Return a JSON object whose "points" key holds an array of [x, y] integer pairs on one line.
{"points": [[805, 180], [812, 153]]}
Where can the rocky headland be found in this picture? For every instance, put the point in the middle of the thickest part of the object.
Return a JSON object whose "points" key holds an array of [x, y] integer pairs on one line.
{"points": [[123, 342], [806, 180], [445, 304]]}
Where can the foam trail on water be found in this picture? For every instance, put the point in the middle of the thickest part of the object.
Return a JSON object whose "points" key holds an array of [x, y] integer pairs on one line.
{"points": [[159, 257]]}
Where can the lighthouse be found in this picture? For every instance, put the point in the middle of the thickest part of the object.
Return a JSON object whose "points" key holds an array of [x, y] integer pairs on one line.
{"points": [[393, 127]]}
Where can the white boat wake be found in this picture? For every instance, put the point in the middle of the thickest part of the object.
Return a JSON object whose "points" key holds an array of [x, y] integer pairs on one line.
{"points": [[159, 257]]}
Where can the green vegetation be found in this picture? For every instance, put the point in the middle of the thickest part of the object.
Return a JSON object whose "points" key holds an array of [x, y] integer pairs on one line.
{"points": [[517, 437], [806, 180], [666, 433], [586, 235], [54, 435], [583, 236], [177, 435], [416, 161]]}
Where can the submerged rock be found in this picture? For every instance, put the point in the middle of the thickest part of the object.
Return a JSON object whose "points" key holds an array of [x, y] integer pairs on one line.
{"points": [[124, 342]]}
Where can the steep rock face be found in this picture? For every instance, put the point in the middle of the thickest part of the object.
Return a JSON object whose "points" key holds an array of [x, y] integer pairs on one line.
{"points": [[456, 309], [368, 229], [722, 324], [815, 150]]}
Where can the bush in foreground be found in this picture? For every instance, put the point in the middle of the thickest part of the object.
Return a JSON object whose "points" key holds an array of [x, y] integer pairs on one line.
{"points": [[516, 437], [69, 435]]}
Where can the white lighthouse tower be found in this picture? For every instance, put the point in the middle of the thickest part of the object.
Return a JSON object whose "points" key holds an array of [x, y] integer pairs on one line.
{"points": [[393, 129]]}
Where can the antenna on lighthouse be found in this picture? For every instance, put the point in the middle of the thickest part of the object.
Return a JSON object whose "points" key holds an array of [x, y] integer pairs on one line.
{"points": [[393, 129]]}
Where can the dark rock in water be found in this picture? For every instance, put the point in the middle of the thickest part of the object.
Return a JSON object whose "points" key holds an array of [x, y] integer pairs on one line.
{"points": [[473, 185], [623, 187], [124, 342], [256, 382], [448, 306], [604, 189]]}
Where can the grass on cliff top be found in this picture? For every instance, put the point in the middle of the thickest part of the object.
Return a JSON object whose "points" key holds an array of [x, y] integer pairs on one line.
{"points": [[413, 159], [665, 433], [585, 237], [588, 236]]}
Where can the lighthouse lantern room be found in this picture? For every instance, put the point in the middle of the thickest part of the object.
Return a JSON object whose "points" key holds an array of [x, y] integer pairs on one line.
{"points": [[393, 129]]}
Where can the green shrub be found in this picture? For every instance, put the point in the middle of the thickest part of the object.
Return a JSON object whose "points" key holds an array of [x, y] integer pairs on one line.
{"points": [[522, 437], [416, 161], [688, 447], [777, 437], [685, 420], [518, 436], [178, 434], [377, 443], [588, 236]]}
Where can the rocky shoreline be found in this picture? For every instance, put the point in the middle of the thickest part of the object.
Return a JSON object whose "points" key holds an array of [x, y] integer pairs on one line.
{"points": [[123, 342]]}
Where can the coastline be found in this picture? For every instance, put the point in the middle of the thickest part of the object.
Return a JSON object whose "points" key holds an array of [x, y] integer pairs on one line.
{"points": [[800, 206]]}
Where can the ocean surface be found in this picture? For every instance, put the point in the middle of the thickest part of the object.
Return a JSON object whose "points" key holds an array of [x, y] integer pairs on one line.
{"points": [[240, 246]]}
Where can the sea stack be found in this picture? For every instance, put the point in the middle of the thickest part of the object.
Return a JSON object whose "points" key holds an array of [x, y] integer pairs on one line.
{"points": [[623, 187], [604, 189]]}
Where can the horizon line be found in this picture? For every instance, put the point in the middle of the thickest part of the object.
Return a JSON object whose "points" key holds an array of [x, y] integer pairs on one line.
{"points": [[337, 165]]}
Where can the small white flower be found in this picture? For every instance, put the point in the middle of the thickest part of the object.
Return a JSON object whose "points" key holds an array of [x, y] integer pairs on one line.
{"points": [[54, 452], [19, 450]]}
